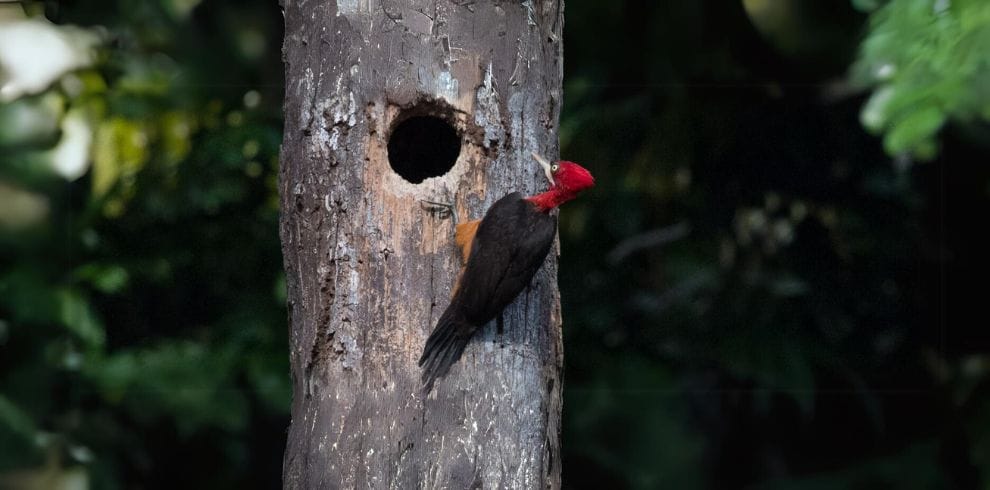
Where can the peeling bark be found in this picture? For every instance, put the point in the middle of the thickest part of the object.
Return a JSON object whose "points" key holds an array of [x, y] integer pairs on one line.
{"points": [[369, 271]]}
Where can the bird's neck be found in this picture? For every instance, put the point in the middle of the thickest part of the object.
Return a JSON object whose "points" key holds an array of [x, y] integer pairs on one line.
{"points": [[552, 198]]}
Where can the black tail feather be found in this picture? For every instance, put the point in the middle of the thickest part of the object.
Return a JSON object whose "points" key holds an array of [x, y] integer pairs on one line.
{"points": [[443, 348]]}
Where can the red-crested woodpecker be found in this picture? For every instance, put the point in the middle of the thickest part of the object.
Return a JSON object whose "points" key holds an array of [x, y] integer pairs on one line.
{"points": [[501, 253]]}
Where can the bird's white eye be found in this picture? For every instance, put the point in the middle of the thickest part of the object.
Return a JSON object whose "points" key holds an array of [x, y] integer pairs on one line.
{"points": [[554, 167]]}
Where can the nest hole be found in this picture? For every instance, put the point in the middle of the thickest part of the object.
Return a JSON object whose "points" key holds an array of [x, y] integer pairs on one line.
{"points": [[423, 146]]}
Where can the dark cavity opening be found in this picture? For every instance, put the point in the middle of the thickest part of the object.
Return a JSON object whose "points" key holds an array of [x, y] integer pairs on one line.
{"points": [[421, 147]]}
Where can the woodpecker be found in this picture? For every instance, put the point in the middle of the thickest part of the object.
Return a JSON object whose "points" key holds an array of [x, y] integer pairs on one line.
{"points": [[501, 253]]}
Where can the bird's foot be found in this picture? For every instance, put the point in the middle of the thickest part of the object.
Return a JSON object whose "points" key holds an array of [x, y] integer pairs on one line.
{"points": [[439, 209]]}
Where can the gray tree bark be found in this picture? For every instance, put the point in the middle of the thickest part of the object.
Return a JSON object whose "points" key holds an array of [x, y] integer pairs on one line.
{"points": [[369, 271]]}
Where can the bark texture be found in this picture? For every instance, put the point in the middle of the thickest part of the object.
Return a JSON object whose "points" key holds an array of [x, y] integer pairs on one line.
{"points": [[369, 270]]}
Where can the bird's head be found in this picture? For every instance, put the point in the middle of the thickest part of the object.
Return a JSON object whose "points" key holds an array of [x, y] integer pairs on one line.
{"points": [[567, 179], [566, 176], [572, 176]]}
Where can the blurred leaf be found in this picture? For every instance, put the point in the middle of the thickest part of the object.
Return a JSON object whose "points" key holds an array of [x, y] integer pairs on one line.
{"points": [[26, 295], [177, 130], [121, 150], [910, 133], [797, 377], [788, 285], [78, 316], [31, 121], [269, 377], [20, 208], [178, 380], [867, 5], [15, 419], [928, 62], [109, 279]]}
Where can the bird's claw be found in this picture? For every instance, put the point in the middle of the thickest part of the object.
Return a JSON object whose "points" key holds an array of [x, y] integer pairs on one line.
{"points": [[440, 209]]}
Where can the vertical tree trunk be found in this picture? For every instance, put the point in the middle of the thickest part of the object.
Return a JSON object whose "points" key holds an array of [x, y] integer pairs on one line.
{"points": [[369, 270]]}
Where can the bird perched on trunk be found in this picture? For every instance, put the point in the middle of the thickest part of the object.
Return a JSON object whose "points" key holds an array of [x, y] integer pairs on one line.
{"points": [[501, 253]]}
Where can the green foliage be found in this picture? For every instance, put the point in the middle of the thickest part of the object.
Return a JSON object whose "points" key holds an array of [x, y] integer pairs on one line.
{"points": [[792, 317], [928, 62], [15, 420], [174, 378], [142, 326]]}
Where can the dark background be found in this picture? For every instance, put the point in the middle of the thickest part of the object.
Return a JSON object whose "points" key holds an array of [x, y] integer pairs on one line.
{"points": [[775, 284]]}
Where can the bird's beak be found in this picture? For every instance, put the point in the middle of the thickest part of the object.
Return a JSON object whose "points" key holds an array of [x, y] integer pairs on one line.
{"points": [[546, 166]]}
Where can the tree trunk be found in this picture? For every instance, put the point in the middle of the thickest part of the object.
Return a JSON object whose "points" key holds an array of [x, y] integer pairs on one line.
{"points": [[369, 268]]}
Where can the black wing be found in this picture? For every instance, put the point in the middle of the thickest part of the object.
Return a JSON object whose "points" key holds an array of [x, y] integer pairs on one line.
{"points": [[509, 247], [511, 244]]}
